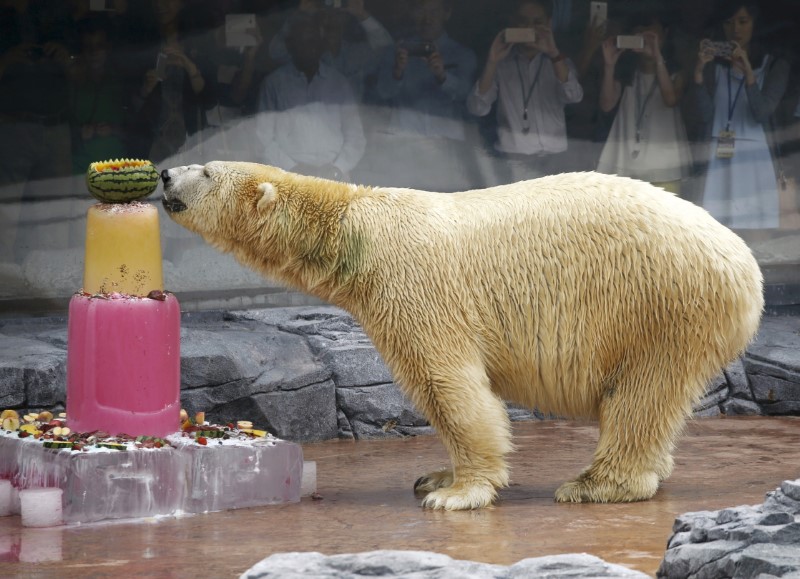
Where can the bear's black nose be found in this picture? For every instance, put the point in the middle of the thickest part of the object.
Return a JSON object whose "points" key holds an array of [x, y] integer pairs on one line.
{"points": [[165, 176]]}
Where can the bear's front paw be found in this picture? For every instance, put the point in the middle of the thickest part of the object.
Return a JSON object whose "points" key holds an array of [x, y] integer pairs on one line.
{"points": [[588, 489], [461, 497], [433, 481]]}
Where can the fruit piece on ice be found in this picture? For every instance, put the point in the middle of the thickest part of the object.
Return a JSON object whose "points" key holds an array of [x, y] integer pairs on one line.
{"points": [[9, 413]]}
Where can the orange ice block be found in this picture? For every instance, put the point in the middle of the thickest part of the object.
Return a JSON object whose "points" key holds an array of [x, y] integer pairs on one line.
{"points": [[123, 249]]}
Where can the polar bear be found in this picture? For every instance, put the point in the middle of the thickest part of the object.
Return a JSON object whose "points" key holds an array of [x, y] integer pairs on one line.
{"points": [[580, 294]]}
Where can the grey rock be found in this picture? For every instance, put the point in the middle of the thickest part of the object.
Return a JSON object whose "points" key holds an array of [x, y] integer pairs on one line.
{"points": [[354, 364], [777, 560], [739, 407], [35, 374], [304, 415], [272, 359], [736, 377], [376, 411], [727, 543], [791, 488], [423, 564]]}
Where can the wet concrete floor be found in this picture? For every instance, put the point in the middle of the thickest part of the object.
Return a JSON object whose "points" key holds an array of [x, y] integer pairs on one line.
{"points": [[366, 503]]}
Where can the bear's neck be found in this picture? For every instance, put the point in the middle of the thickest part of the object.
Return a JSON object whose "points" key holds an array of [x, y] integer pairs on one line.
{"points": [[317, 251]]}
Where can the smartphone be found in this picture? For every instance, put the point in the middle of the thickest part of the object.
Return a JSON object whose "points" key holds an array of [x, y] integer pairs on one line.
{"points": [[598, 13], [634, 42], [161, 65], [520, 35], [720, 49], [240, 30], [101, 5]]}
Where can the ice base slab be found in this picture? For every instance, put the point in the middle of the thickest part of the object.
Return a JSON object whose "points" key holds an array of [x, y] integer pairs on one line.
{"points": [[103, 484]]}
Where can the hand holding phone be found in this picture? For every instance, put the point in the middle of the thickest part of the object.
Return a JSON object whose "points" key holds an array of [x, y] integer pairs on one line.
{"points": [[630, 42], [519, 35]]}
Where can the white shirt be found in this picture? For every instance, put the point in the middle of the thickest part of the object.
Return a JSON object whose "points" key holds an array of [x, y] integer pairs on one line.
{"points": [[547, 126], [313, 122]]}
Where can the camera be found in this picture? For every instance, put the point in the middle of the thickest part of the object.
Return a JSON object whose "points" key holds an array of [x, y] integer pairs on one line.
{"points": [[634, 42], [721, 49], [519, 35], [422, 49]]}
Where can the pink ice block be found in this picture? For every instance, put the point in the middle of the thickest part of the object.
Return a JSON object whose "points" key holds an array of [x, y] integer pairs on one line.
{"points": [[123, 365]]}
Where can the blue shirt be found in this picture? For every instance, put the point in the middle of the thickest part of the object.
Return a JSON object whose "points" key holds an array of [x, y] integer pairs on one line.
{"points": [[313, 122], [420, 105]]}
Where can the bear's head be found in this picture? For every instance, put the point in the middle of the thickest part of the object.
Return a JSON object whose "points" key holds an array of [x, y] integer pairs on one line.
{"points": [[221, 201]]}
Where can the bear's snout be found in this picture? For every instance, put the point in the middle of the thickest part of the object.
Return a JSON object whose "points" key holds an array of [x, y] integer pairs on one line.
{"points": [[171, 203]]}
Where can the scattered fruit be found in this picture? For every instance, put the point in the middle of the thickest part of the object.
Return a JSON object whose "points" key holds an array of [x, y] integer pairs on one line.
{"points": [[9, 413], [11, 423], [45, 416], [57, 444], [200, 418], [30, 428], [113, 445], [244, 424]]}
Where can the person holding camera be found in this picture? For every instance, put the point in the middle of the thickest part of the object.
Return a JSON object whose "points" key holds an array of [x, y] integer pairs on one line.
{"points": [[425, 81], [737, 85], [35, 141], [639, 90], [353, 39], [532, 81], [308, 120]]}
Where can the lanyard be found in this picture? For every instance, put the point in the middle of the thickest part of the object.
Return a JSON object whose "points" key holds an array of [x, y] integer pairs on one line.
{"points": [[527, 97], [732, 107], [642, 106]]}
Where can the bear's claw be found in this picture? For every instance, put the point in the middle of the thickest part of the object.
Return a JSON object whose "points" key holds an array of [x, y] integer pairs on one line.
{"points": [[433, 481]]}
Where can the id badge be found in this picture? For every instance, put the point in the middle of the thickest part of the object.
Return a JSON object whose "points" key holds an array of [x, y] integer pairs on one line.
{"points": [[725, 144]]}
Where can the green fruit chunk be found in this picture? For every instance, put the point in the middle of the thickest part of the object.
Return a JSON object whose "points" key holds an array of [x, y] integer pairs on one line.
{"points": [[121, 180]]}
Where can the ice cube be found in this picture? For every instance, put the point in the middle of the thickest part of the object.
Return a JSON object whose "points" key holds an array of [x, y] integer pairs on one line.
{"points": [[5, 498], [42, 507]]}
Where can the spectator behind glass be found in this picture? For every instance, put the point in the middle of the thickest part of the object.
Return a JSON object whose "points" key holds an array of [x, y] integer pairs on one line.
{"points": [[425, 82], [308, 117], [731, 100], [531, 82], [647, 139], [234, 74], [354, 53], [99, 98], [172, 98], [34, 130]]}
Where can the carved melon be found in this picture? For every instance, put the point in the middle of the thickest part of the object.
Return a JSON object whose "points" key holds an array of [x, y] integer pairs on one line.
{"points": [[121, 180]]}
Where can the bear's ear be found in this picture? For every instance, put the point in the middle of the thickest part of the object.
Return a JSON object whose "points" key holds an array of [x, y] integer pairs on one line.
{"points": [[268, 194]]}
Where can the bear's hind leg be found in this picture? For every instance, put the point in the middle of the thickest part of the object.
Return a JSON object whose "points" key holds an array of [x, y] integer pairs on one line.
{"points": [[638, 427], [474, 427]]}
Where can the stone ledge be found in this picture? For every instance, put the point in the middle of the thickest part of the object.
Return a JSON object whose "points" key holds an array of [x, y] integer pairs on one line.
{"points": [[423, 564], [310, 373]]}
